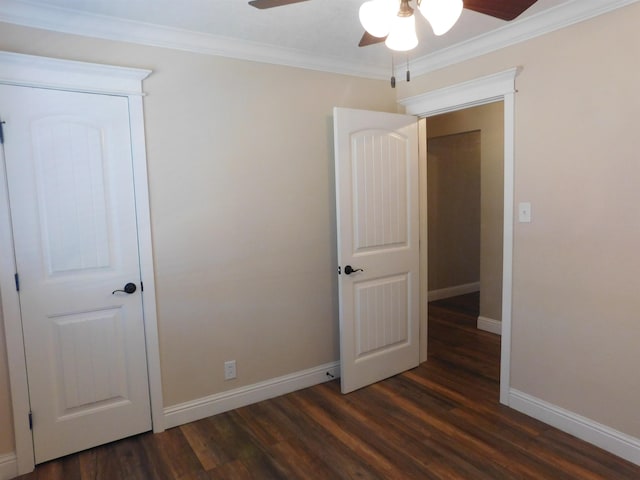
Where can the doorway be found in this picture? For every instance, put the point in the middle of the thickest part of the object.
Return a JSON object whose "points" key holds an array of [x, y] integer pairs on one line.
{"points": [[491, 88], [45, 74], [465, 208], [465, 159], [75, 241]]}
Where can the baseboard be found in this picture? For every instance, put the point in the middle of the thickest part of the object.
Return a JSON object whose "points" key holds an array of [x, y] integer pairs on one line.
{"points": [[8, 466], [207, 406], [453, 291], [489, 325], [607, 438]]}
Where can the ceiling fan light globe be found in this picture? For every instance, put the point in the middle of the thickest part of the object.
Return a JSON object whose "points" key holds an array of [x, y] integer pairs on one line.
{"points": [[442, 15], [376, 16], [402, 36]]}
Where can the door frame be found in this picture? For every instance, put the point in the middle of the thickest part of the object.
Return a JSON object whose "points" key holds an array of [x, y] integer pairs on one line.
{"points": [[49, 73], [492, 88]]}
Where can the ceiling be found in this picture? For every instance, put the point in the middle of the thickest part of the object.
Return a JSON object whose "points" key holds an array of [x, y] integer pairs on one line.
{"points": [[318, 34]]}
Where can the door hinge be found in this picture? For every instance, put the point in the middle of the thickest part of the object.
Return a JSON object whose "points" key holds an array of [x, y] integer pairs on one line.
{"points": [[1, 133], [30, 420], [17, 279]]}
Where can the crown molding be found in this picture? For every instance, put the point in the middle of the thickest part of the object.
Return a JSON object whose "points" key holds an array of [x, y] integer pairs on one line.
{"points": [[517, 31], [110, 28]]}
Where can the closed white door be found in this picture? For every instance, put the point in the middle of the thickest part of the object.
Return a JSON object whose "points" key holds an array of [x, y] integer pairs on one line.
{"points": [[69, 170], [376, 156]]}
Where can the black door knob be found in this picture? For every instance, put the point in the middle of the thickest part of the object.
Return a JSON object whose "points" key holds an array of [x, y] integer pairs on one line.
{"points": [[128, 288], [348, 270]]}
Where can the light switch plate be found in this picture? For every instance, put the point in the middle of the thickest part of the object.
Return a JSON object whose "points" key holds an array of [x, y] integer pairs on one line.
{"points": [[524, 212]]}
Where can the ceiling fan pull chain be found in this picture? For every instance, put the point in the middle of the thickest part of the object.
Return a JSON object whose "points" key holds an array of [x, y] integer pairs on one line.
{"points": [[408, 72], [393, 76]]}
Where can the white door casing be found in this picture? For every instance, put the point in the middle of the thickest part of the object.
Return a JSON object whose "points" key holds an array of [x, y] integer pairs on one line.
{"points": [[376, 157], [68, 166], [125, 83], [491, 88]]}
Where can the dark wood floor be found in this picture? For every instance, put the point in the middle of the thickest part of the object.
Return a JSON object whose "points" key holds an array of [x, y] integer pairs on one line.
{"points": [[441, 420]]}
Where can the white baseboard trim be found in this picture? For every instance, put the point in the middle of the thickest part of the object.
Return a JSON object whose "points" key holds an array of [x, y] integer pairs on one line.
{"points": [[213, 404], [8, 466], [607, 438], [489, 325], [453, 291]]}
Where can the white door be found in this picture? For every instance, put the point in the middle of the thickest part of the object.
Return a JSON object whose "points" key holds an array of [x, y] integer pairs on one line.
{"points": [[376, 157], [69, 169]]}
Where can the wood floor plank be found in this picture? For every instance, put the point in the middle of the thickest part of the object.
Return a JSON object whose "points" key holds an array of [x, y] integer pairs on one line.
{"points": [[510, 421], [265, 428], [444, 425], [235, 470], [300, 462], [226, 438], [202, 443], [87, 465], [366, 422], [170, 450], [344, 463], [108, 460], [281, 429], [348, 440], [439, 421]]}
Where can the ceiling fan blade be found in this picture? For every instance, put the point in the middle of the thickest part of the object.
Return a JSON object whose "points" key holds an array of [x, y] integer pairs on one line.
{"points": [[262, 4], [368, 39], [503, 9]]}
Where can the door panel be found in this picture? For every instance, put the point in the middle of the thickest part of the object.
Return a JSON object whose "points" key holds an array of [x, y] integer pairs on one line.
{"points": [[381, 320], [377, 215], [69, 170], [91, 370], [380, 168], [68, 161]]}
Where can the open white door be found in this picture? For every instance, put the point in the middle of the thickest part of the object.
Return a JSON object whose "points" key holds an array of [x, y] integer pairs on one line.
{"points": [[68, 161], [377, 202]]}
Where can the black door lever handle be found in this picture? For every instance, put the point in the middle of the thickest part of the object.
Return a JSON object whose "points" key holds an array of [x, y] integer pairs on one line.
{"points": [[128, 288], [348, 270]]}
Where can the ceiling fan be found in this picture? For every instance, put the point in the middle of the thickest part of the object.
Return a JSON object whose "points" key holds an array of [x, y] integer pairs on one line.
{"points": [[502, 9]]}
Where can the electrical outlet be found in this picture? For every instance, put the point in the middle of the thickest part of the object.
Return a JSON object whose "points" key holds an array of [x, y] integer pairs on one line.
{"points": [[229, 369], [524, 212]]}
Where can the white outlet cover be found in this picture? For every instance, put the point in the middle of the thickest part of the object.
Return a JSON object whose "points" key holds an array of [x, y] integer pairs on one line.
{"points": [[524, 212], [229, 369]]}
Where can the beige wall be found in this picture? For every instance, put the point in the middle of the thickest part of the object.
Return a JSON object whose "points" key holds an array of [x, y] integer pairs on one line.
{"points": [[488, 119], [576, 266], [453, 205], [240, 159]]}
